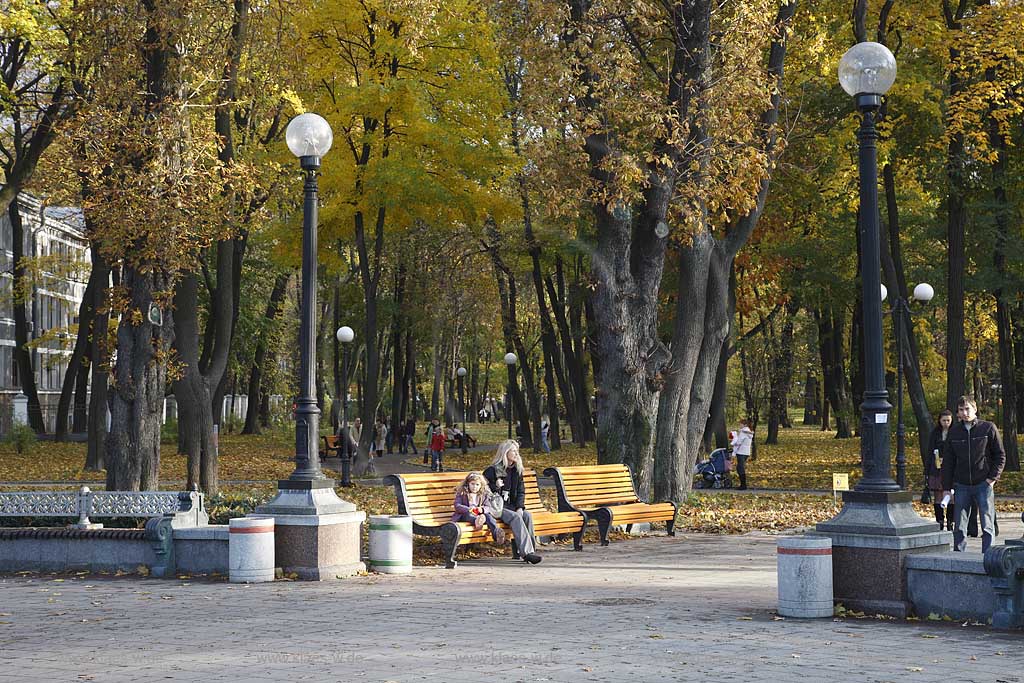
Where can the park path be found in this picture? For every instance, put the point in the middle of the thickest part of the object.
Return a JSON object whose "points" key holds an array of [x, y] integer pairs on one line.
{"points": [[695, 607]]}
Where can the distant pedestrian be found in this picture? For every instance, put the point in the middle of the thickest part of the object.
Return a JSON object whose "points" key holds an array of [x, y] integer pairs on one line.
{"points": [[545, 432], [437, 439], [389, 435], [971, 465], [742, 445], [410, 434], [357, 429], [380, 435], [933, 469]]}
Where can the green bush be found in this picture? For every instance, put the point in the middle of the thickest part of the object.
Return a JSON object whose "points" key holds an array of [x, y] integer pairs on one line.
{"points": [[222, 507], [21, 437]]}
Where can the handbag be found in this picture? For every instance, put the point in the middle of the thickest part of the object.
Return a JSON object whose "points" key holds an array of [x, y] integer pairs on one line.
{"points": [[926, 495], [494, 505]]}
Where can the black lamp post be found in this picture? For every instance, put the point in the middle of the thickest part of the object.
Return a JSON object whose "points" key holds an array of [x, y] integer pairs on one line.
{"points": [[309, 137], [867, 71], [510, 361], [461, 372], [900, 311], [345, 335]]}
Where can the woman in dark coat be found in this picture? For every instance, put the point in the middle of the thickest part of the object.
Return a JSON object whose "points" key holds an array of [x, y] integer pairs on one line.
{"points": [[933, 465], [505, 476]]}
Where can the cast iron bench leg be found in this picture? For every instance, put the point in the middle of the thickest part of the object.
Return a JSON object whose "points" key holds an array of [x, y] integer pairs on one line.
{"points": [[670, 525], [604, 522], [577, 541], [450, 534]]}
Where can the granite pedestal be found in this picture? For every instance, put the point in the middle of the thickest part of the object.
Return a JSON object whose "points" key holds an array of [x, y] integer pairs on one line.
{"points": [[871, 538], [316, 533]]}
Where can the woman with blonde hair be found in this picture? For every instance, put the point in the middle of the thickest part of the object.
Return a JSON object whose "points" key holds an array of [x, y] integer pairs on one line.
{"points": [[505, 476]]}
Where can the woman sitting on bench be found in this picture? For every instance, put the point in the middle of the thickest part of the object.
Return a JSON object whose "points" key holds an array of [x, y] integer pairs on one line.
{"points": [[505, 476]]}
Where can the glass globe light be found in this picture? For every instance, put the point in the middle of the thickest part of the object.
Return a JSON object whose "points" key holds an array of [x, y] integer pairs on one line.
{"points": [[345, 334], [510, 359], [461, 372], [885, 292], [867, 69], [924, 292], [309, 135]]}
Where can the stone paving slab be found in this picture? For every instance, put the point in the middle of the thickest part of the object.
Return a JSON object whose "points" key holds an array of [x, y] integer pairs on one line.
{"points": [[695, 607]]}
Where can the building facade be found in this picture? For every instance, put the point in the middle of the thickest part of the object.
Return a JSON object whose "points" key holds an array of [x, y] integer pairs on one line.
{"points": [[57, 253]]}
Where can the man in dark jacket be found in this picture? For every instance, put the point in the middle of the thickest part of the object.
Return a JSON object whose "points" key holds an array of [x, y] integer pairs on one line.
{"points": [[971, 466]]}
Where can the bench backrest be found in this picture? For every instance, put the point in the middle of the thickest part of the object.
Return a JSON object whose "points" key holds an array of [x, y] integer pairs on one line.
{"points": [[594, 485], [429, 497], [331, 441]]}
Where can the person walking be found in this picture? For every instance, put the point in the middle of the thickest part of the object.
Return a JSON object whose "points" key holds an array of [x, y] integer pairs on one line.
{"points": [[505, 476], [742, 445], [380, 435], [437, 439], [972, 463], [410, 434], [545, 432], [933, 469]]}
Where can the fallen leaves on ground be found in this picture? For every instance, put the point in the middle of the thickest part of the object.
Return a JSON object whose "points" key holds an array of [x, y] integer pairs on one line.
{"points": [[729, 513]]}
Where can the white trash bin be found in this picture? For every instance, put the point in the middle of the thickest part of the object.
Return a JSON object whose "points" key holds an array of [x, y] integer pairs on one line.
{"points": [[250, 550], [805, 576], [391, 544]]}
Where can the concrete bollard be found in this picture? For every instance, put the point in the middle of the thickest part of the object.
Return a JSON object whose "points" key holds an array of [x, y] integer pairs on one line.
{"points": [[391, 544], [805, 576], [250, 550]]}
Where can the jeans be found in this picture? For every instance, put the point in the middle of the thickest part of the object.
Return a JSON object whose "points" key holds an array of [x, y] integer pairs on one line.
{"points": [[409, 445], [435, 460], [985, 498], [544, 442]]}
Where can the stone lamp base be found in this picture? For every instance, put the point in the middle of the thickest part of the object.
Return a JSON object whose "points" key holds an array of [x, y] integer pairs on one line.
{"points": [[317, 534], [871, 537]]}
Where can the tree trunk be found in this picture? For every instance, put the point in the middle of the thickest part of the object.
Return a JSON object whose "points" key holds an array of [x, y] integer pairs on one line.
{"points": [[369, 274], [22, 295], [140, 377], [1004, 324], [252, 421], [892, 268], [956, 227], [80, 357], [399, 351], [812, 411], [830, 345], [782, 375], [100, 354]]}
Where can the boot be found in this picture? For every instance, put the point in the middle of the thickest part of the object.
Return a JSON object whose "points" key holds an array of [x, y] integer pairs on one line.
{"points": [[940, 516]]}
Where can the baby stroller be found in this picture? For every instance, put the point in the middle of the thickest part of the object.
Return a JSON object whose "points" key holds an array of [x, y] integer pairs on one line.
{"points": [[713, 473]]}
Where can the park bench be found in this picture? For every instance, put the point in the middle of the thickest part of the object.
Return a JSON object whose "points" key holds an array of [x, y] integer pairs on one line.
{"points": [[428, 498], [606, 493], [331, 445], [453, 441]]}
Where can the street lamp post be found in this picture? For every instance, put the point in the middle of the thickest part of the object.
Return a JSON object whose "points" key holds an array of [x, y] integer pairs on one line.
{"points": [[309, 137], [510, 361], [900, 310], [877, 527], [345, 335], [867, 71], [316, 532], [461, 372]]}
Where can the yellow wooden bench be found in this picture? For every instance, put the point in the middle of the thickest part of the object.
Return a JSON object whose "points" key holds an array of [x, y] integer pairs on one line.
{"points": [[606, 493], [429, 499], [331, 445]]}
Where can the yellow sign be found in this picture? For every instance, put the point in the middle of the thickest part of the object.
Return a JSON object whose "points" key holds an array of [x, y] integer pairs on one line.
{"points": [[840, 482]]}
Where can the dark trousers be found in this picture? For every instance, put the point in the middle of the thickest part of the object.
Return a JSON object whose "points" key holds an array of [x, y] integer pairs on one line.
{"points": [[944, 516], [741, 469]]}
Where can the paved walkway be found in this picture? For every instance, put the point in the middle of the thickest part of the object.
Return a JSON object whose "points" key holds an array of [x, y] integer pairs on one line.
{"points": [[696, 608]]}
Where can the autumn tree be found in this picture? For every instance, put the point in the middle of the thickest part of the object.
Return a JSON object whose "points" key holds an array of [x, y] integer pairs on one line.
{"points": [[412, 93]]}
